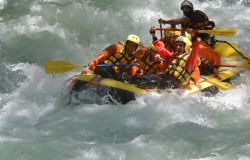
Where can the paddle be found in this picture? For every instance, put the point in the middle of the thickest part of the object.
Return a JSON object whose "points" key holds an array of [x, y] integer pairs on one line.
{"points": [[59, 66], [161, 30], [244, 66], [113, 83], [217, 32], [217, 83]]}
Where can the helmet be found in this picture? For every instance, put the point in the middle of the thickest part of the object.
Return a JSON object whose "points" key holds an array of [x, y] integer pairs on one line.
{"points": [[168, 33], [187, 3], [186, 41], [188, 35], [134, 38]]}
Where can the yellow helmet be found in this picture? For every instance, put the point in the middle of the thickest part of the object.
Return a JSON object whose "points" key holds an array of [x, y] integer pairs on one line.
{"points": [[186, 41], [168, 33], [134, 38], [188, 36]]}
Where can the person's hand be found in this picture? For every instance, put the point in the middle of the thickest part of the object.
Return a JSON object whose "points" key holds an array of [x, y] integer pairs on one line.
{"points": [[92, 65], [161, 21], [157, 58], [191, 31], [85, 70], [152, 31]]}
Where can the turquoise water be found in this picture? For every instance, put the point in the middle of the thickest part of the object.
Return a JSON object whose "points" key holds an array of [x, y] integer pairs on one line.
{"points": [[34, 125]]}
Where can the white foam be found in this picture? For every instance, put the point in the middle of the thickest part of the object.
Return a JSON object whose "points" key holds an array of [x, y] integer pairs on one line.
{"points": [[3, 3]]}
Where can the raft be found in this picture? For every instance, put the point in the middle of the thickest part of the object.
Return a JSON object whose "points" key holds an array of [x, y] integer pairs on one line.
{"points": [[120, 92]]}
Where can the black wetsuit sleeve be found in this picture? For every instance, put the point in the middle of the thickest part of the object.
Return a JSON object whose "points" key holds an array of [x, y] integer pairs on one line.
{"points": [[196, 17], [154, 38]]}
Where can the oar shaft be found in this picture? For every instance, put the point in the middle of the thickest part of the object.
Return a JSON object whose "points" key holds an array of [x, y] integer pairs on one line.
{"points": [[119, 65], [216, 32], [245, 66], [161, 30], [225, 65], [169, 29]]}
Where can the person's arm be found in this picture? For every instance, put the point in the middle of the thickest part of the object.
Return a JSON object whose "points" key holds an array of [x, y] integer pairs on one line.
{"points": [[174, 21], [104, 54], [138, 54], [152, 32], [193, 57], [163, 52]]}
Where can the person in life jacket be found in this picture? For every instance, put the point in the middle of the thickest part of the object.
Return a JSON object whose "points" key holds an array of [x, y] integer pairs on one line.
{"points": [[150, 61], [151, 67], [183, 67], [168, 39], [193, 19], [119, 53], [210, 60]]}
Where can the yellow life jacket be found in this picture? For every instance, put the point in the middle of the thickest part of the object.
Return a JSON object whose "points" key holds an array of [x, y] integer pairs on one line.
{"points": [[148, 64], [177, 69], [120, 58]]}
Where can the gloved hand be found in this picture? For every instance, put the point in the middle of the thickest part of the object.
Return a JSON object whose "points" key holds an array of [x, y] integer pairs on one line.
{"points": [[152, 31], [85, 71], [161, 21], [92, 65], [157, 58]]}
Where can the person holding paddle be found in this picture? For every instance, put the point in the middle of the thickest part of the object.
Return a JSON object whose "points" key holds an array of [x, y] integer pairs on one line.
{"points": [[119, 53], [193, 19]]}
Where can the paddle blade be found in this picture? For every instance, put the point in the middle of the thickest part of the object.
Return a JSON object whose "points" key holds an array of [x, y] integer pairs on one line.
{"points": [[121, 85], [112, 83], [244, 66], [220, 85], [220, 31], [58, 66], [217, 83]]}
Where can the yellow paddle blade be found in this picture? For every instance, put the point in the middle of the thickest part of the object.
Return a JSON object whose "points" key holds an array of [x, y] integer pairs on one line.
{"points": [[59, 66], [121, 85], [218, 84], [244, 66], [113, 83], [220, 31], [225, 49]]}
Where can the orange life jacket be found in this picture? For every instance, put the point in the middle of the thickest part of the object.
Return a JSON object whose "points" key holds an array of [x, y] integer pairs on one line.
{"points": [[178, 71], [209, 56], [147, 64], [115, 54]]}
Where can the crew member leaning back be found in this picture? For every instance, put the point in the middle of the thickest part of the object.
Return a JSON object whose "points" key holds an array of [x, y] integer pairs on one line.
{"points": [[193, 19]]}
